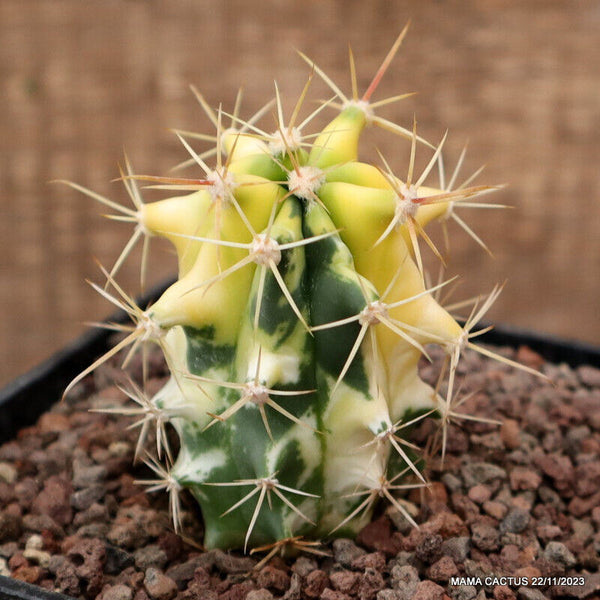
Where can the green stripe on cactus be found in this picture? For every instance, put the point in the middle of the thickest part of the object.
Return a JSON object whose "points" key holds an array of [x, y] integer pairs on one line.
{"points": [[203, 353], [261, 165], [336, 294], [358, 173]]}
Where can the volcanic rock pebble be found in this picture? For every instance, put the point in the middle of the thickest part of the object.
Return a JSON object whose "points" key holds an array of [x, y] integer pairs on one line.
{"points": [[158, 585], [404, 579], [428, 590], [345, 551], [116, 592], [314, 583]]}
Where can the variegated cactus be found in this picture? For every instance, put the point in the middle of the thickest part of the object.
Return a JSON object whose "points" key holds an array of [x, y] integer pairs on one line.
{"points": [[294, 331]]}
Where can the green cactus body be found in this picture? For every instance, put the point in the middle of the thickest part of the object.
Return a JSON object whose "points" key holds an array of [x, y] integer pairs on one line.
{"points": [[295, 330], [286, 454]]}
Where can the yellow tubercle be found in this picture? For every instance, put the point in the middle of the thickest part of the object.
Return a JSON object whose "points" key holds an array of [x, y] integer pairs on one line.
{"points": [[363, 214], [391, 269], [256, 197], [372, 208], [190, 303], [209, 293], [406, 390], [338, 142], [238, 145], [423, 320], [174, 218], [430, 212]]}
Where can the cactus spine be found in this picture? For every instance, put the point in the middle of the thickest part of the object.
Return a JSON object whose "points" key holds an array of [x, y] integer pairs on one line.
{"points": [[295, 328]]}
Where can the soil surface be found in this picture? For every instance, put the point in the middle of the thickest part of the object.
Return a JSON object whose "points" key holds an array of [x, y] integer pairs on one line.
{"points": [[514, 511]]}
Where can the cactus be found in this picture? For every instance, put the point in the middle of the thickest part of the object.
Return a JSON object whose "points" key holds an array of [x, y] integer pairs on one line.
{"points": [[294, 331]]}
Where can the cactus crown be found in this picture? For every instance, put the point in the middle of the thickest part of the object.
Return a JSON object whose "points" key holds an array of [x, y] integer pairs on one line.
{"points": [[295, 328]]}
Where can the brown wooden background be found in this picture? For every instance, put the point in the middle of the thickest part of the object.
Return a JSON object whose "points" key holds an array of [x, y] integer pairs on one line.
{"points": [[80, 81]]}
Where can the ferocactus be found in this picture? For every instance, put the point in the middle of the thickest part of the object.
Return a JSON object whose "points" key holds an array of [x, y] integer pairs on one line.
{"points": [[294, 331]]}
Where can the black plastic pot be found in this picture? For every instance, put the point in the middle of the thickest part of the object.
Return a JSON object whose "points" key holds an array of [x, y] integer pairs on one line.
{"points": [[11, 589], [25, 399]]}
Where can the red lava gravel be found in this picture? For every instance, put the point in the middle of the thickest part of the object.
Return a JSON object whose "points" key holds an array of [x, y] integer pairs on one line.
{"points": [[514, 512]]}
